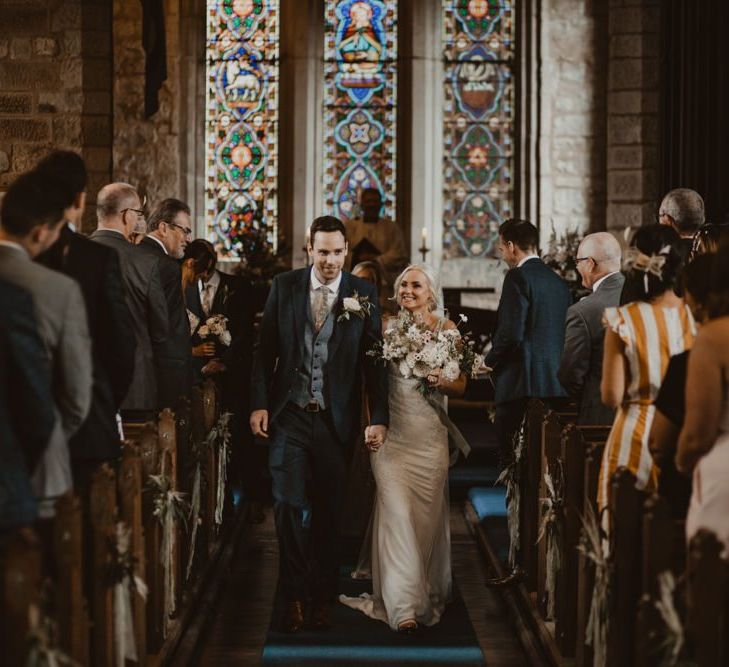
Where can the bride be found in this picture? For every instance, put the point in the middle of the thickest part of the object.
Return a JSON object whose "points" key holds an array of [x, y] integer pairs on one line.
{"points": [[410, 551]]}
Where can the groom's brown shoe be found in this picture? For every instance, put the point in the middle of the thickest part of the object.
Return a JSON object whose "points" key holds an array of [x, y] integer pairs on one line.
{"points": [[321, 611], [293, 617]]}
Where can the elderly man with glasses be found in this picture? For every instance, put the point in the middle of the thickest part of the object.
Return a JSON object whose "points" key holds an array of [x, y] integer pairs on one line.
{"points": [[580, 371], [169, 229]]}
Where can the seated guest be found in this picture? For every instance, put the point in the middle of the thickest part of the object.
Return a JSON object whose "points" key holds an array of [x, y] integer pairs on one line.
{"points": [[97, 270], [168, 231], [26, 406], [708, 238], [670, 402], [703, 446], [119, 215], [580, 371], [640, 339], [30, 222]]}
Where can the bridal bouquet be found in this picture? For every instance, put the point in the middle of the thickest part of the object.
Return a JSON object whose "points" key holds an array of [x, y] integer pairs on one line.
{"points": [[418, 351], [216, 325]]}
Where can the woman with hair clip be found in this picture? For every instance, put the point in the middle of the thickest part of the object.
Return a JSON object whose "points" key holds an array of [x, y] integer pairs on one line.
{"points": [[640, 339], [703, 446], [410, 538]]}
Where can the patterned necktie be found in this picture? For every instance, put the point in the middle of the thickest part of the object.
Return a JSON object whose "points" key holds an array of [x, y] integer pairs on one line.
{"points": [[207, 299], [321, 311]]}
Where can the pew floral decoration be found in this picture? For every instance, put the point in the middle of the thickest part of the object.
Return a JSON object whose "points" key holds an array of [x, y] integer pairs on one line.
{"points": [[549, 528], [675, 637], [222, 437], [592, 546], [509, 477], [43, 650], [170, 507], [122, 576]]}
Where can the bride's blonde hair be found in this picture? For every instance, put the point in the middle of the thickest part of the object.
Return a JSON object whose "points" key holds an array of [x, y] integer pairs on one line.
{"points": [[431, 278]]}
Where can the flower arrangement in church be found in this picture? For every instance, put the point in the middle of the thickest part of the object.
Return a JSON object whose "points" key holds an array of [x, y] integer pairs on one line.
{"points": [[560, 257], [217, 326], [418, 351]]}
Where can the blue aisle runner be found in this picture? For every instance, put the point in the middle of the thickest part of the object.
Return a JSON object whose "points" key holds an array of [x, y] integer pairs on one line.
{"points": [[355, 639]]}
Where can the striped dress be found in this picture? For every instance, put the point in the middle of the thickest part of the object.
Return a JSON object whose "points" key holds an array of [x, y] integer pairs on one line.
{"points": [[652, 335]]}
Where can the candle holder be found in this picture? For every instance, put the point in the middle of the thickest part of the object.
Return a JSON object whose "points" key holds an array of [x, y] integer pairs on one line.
{"points": [[424, 250]]}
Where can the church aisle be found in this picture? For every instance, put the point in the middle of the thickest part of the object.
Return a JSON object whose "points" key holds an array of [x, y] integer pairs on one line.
{"points": [[237, 634]]}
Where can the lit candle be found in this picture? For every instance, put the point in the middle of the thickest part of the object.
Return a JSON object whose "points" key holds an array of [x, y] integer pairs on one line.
{"points": [[424, 237]]}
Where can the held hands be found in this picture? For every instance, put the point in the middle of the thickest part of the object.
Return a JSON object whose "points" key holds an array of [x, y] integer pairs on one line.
{"points": [[259, 423], [203, 350], [375, 436], [434, 378]]}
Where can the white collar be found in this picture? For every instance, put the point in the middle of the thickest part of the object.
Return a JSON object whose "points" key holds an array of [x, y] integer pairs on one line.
{"points": [[16, 246], [162, 245], [526, 259], [333, 286], [600, 282]]}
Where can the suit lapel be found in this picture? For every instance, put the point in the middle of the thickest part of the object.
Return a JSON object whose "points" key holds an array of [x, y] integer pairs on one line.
{"points": [[300, 294], [344, 291]]}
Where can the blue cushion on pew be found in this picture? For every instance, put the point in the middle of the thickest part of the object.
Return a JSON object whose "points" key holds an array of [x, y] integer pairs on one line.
{"points": [[488, 501]]}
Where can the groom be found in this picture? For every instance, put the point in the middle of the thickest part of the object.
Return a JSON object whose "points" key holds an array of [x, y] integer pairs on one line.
{"points": [[305, 395]]}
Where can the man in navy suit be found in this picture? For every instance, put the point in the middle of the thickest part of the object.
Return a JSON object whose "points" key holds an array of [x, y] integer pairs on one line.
{"points": [[529, 337], [305, 398]]}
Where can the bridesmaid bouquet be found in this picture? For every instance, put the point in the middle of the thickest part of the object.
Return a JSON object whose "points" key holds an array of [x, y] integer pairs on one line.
{"points": [[216, 325], [418, 351]]}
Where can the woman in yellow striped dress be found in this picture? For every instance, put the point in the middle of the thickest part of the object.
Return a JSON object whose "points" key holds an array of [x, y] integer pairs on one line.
{"points": [[641, 337]]}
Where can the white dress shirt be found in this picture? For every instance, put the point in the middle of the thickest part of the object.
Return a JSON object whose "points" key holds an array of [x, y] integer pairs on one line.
{"points": [[600, 282]]}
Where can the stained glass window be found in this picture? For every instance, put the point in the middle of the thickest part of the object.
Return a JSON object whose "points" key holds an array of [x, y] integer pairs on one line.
{"points": [[241, 207], [360, 95], [478, 51]]}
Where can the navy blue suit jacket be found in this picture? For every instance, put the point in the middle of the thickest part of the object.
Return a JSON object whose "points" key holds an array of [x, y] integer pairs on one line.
{"points": [[279, 353], [529, 337]]}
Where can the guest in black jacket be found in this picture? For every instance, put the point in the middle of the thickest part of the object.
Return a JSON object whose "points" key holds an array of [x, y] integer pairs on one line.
{"points": [[97, 270], [168, 232], [26, 405]]}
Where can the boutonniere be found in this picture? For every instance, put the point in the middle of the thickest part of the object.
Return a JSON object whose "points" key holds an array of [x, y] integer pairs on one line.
{"points": [[359, 306]]}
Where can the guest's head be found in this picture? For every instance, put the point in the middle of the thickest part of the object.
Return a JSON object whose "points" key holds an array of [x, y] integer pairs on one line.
{"points": [[327, 247], [696, 280], [170, 224], [416, 289], [653, 263], [197, 262], [517, 239], [708, 238], [369, 271], [682, 209], [28, 216], [64, 172], [370, 202], [119, 207], [598, 255]]}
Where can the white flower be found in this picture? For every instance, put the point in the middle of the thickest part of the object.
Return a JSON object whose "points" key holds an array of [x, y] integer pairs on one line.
{"points": [[225, 338], [451, 371], [203, 331], [351, 304], [463, 318], [404, 369]]}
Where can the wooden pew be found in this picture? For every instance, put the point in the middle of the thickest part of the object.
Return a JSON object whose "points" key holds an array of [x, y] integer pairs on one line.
{"points": [[20, 589], [626, 518], [586, 574], [73, 618], [708, 600], [574, 443]]}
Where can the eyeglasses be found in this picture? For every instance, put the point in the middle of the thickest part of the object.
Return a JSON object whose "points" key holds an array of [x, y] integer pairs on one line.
{"points": [[138, 211], [185, 230], [582, 259]]}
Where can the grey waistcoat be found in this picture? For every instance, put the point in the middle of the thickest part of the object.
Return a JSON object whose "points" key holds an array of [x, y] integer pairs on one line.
{"points": [[309, 385]]}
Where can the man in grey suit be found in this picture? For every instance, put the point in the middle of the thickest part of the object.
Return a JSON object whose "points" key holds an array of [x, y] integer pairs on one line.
{"points": [[29, 224], [580, 372], [119, 214]]}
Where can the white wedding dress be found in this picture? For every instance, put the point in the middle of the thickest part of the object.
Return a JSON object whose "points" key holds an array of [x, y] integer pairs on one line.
{"points": [[410, 537]]}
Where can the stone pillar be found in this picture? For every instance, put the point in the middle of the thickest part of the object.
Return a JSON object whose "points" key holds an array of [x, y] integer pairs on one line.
{"points": [[633, 80], [572, 117]]}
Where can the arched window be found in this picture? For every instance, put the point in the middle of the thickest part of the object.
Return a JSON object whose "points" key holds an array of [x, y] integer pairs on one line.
{"points": [[478, 54], [360, 98], [241, 127]]}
